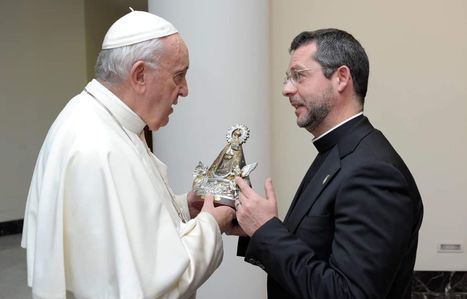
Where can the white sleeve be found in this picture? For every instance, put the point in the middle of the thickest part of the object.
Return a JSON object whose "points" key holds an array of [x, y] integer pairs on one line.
{"points": [[182, 202], [205, 255]]}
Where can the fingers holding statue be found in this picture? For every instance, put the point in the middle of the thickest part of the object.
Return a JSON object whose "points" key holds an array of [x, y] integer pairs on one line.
{"points": [[253, 210]]}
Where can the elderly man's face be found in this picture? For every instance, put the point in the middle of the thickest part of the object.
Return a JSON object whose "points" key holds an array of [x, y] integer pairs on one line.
{"points": [[166, 82]]}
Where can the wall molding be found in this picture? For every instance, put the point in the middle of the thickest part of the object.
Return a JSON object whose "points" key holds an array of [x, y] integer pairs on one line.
{"points": [[11, 227]]}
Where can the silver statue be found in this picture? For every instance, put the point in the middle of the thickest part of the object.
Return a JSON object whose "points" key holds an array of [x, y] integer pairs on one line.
{"points": [[219, 179]]}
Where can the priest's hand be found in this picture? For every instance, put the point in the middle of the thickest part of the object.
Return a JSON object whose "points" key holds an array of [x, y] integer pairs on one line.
{"points": [[223, 214], [253, 210]]}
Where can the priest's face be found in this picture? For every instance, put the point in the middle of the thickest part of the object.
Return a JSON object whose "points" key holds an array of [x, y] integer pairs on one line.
{"points": [[308, 90], [166, 82]]}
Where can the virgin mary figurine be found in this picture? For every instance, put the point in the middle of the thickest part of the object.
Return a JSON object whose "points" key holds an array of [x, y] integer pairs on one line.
{"points": [[219, 178]]}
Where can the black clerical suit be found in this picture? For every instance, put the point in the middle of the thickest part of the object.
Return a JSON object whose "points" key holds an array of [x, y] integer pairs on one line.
{"points": [[352, 228]]}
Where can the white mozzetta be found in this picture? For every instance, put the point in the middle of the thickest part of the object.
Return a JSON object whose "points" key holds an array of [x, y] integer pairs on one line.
{"points": [[100, 221]]}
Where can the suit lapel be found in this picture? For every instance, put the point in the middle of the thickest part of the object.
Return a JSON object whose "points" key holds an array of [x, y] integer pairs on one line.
{"points": [[307, 195], [311, 192], [299, 191]]}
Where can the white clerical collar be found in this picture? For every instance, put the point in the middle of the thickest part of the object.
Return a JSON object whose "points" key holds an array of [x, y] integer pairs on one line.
{"points": [[127, 117], [337, 126]]}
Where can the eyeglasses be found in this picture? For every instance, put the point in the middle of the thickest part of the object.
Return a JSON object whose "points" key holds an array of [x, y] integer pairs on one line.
{"points": [[294, 76]]}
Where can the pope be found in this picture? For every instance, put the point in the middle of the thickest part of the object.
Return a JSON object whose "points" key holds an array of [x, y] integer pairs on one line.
{"points": [[101, 220]]}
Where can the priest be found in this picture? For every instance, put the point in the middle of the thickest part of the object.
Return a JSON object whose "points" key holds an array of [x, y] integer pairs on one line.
{"points": [[101, 220]]}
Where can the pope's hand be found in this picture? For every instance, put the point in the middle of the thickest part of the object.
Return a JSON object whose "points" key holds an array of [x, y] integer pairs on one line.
{"points": [[235, 229], [195, 204], [252, 209], [223, 214]]}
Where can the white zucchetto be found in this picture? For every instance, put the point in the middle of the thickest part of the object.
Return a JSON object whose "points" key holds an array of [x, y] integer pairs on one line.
{"points": [[135, 27]]}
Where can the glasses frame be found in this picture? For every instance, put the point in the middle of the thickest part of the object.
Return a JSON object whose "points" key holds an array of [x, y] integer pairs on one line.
{"points": [[295, 75]]}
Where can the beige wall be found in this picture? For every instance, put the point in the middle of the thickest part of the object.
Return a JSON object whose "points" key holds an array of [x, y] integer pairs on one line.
{"points": [[47, 54], [417, 96], [42, 57], [98, 16]]}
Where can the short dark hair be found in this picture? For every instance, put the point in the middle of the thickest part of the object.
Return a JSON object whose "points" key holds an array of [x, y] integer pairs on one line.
{"points": [[336, 48]]}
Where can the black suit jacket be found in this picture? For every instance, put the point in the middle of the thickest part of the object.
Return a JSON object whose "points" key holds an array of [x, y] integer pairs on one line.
{"points": [[351, 232]]}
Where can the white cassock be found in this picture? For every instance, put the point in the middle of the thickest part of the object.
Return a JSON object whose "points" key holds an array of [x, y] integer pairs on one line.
{"points": [[100, 218]]}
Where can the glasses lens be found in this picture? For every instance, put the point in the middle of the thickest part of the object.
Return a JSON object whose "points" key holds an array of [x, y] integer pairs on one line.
{"points": [[286, 78]]}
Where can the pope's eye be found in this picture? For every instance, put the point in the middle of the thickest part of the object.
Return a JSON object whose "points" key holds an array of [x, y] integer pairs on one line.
{"points": [[179, 77]]}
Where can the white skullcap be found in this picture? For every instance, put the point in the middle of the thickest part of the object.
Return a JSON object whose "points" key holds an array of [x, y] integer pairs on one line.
{"points": [[135, 27]]}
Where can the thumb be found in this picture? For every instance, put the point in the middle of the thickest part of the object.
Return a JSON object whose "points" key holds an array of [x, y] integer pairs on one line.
{"points": [[269, 189], [208, 202]]}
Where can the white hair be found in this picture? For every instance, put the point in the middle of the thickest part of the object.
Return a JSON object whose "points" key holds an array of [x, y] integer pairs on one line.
{"points": [[114, 65]]}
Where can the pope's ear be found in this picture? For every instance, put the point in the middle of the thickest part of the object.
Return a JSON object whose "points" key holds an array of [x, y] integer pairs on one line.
{"points": [[137, 76]]}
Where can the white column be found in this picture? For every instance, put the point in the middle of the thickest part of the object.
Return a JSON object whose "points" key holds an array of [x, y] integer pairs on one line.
{"points": [[228, 84]]}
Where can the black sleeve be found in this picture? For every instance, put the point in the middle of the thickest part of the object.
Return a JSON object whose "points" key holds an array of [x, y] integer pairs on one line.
{"points": [[242, 245]]}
